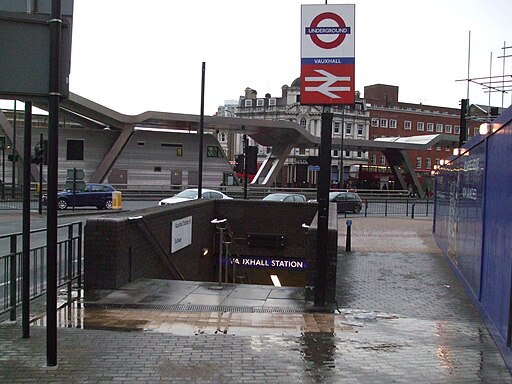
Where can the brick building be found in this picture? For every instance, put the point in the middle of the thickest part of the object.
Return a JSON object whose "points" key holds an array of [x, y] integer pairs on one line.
{"points": [[391, 118]]}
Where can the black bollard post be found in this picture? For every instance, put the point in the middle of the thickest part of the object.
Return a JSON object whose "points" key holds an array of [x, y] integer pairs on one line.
{"points": [[348, 244], [412, 211]]}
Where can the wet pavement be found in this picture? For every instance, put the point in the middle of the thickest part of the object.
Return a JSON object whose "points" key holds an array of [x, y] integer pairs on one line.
{"points": [[401, 317]]}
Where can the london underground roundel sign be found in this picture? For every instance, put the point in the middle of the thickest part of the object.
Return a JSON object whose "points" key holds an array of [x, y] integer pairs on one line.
{"points": [[327, 54]]}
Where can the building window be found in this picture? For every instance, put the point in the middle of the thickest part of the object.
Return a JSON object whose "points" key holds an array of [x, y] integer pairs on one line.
{"points": [[430, 127], [418, 162], [438, 148], [260, 102], [248, 103], [336, 127], [439, 128], [407, 125], [456, 130], [347, 153], [360, 130], [213, 151], [447, 149], [392, 123], [448, 128], [375, 122], [158, 169], [359, 154], [420, 126], [140, 143], [373, 158], [476, 131], [335, 153], [384, 123], [75, 150], [438, 161], [428, 163], [222, 137], [179, 151], [382, 160], [348, 129], [303, 122]]}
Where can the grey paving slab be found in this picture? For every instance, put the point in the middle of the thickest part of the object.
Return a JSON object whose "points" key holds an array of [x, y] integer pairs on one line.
{"points": [[287, 293], [122, 297], [242, 302], [251, 293], [203, 299], [284, 303]]}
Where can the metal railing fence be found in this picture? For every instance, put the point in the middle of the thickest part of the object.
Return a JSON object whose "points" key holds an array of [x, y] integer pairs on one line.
{"points": [[69, 264]]}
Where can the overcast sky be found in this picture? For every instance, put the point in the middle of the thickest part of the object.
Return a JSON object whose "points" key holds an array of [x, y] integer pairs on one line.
{"points": [[134, 56]]}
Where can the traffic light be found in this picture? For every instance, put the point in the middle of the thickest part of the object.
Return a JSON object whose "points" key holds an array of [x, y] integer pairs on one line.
{"points": [[252, 160], [239, 164], [463, 134]]}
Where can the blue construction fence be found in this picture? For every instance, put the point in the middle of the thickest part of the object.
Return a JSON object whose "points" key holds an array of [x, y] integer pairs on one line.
{"points": [[473, 224]]}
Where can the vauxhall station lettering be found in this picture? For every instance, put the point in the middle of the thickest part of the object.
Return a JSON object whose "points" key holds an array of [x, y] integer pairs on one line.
{"points": [[269, 263]]}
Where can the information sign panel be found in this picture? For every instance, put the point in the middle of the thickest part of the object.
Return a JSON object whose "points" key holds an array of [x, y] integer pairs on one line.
{"points": [[328, 54]]}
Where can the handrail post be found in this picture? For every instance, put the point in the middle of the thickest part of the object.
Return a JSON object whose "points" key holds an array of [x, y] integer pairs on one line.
{"points": [[70, 261], [12, 278], [79, 257]]}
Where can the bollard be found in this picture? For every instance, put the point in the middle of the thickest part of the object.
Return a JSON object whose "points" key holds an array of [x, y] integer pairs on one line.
{"points": [[348, 242], [412, 211]]}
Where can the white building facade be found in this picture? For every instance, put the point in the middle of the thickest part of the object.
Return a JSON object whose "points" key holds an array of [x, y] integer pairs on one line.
{"points": [[348, 122]]}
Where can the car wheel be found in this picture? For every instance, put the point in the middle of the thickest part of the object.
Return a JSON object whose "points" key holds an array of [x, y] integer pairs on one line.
{"points": [[62, 204], [357, 209], [108, 204]]}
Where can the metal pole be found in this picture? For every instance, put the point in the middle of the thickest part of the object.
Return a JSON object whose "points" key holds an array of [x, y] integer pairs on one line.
{"points": [[246, 144], [221, 233], [40, 195], [27, 146], [323, 207], [53, 155], [13, 176], [3, 170], [201, 132], [226, 263], [341, 146]]}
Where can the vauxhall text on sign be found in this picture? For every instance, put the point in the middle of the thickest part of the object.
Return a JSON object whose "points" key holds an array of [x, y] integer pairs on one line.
{"points": [[327, 54]]}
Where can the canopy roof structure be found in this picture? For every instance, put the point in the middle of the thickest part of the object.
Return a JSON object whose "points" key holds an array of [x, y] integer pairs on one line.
{"points": [[281, 135]]}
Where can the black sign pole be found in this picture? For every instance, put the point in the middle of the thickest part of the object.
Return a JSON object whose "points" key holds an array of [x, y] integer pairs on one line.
{"points": [[55, 23], [201, 133], [27, 146], [246, 144], [323, 206]]}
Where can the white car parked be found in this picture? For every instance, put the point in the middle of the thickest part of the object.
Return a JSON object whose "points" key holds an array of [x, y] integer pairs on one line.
{"points": [[191, 194]]}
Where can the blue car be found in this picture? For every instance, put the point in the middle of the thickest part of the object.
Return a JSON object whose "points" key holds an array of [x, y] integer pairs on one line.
{"points": [[94, 195]]}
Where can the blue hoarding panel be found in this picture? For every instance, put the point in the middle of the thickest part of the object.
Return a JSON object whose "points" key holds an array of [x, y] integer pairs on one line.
{"points": [[473, 223], [497, 263]]}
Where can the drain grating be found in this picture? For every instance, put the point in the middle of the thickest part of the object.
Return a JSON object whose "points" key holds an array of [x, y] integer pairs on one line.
{"points": [[212, 308]]}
